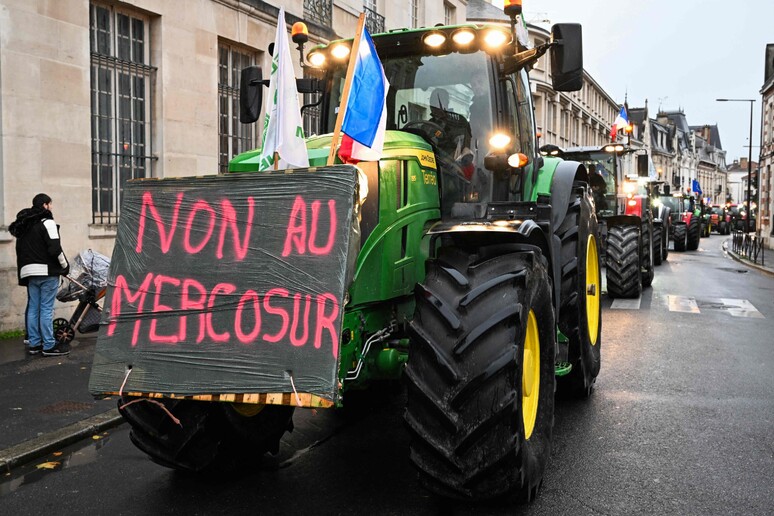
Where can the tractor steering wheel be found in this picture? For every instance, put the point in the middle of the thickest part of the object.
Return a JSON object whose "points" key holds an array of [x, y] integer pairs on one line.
{"points": [[431, 131]]}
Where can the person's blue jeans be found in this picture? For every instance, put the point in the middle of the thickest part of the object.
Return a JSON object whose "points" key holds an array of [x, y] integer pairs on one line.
{"points": [[40, 313]]}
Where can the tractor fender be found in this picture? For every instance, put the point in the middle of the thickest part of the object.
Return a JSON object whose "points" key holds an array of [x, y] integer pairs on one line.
{"points": [[472, 235], [565, 175], [623, 220]]}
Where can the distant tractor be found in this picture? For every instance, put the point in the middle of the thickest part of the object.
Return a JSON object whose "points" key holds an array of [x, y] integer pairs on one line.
{"points": [[720, 219], [686, 225], [623, 208]]}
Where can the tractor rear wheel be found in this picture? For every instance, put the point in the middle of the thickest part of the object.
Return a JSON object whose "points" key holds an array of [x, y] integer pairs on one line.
{"points": [[481, 374], [658, 251], [211, 437], [694, 230], [623, 262], [681, 237], [581, 288], [664, 242]]}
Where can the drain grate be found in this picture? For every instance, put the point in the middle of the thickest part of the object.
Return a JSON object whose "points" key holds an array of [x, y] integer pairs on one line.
{"points": [[63, 407]]}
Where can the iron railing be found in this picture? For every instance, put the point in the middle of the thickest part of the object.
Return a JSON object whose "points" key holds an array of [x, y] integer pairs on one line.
{"points": [[374, 21], [319, 11], [748, 245]]}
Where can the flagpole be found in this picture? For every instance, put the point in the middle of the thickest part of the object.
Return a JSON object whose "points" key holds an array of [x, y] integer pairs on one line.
{"points": [[345, 93]]}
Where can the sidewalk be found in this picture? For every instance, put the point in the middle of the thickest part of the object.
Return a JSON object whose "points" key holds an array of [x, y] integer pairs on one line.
{"points": [[45, 402], [767, 269]]}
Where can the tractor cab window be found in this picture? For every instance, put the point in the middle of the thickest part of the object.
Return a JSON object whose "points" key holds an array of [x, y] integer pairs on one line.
{"points": [[447, 101], [601, 167]]}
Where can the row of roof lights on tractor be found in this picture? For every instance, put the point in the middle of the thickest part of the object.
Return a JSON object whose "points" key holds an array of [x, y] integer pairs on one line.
{"points": [[464, 40]]}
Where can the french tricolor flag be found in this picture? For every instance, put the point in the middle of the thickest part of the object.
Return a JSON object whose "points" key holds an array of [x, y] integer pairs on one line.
{"points": [[365, 118], [621, 121]]}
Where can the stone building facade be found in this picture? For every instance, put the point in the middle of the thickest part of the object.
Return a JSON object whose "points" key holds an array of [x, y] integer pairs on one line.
{"points": [[93, 93], [765, 220]]}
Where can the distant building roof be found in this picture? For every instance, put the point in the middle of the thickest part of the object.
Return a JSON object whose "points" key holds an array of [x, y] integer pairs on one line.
{"points": [[710, 132]]}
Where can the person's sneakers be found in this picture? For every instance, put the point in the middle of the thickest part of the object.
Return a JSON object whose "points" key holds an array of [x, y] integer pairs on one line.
{"points": [[57, 351], [34, 350]]}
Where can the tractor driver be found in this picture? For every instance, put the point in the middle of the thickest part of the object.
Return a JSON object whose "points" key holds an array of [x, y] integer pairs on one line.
{"points": [[598, 187]]}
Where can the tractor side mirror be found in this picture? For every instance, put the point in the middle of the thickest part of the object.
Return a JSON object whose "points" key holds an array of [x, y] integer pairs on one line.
{"points": [[642, 165], [667, 190], [567, 57], [250, 94]]}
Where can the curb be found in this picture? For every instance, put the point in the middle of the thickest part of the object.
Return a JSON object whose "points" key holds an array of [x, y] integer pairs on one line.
{"points": [[53, 441], [748, 263]]}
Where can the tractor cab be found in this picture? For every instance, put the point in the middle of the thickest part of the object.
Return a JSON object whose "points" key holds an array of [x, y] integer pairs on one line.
{"points": [[459, 101]]}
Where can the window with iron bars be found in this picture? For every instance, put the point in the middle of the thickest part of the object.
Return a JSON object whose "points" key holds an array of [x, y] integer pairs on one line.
{"points": [[319, 11], [449, 14], [311, 112], [414, 12], [121, 104], [234, 137]]}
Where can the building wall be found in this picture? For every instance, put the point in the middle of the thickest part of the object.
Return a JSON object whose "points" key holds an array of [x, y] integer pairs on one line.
{"points": [[766, 170], [45, 106], [45, 100]]}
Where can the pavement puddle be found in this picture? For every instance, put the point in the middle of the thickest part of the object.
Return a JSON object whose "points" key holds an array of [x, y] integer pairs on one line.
{"points": [[83, 452]]}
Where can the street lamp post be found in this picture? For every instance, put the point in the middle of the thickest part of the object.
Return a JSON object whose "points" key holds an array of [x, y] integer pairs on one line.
{"points": [[749, 160]]}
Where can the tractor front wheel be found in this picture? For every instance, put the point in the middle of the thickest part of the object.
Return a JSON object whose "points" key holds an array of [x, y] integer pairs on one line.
{"points": [[208, 437], [658, 252], [481, 375], [680, 236], [694, 230]]}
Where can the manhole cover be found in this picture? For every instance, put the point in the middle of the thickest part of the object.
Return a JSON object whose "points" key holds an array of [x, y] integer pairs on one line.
{"points": [[63, 407]]}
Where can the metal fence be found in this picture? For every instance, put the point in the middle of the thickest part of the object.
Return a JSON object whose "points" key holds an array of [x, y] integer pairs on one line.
{"points": [[748, 245]]}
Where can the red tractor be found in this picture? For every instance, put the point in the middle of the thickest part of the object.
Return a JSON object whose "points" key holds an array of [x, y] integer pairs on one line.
{"points": [[685, 221]]}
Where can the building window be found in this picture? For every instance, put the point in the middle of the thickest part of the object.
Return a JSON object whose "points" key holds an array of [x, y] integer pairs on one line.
{"points": [[234, 137], [414, 13], [449, 14], [121, 103]]}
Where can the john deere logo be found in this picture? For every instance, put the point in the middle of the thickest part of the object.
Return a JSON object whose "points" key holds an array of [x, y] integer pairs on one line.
{"points": [[427, 159]]}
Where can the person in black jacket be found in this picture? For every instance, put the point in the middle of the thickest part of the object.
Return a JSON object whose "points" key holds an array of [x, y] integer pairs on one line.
{"points": [[40, 261]]}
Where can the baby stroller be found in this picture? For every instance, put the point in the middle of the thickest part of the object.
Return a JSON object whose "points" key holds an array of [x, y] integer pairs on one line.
{"points": [[86, 284]]}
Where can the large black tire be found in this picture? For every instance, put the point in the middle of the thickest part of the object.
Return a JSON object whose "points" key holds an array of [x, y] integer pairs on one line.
{"points": [[623, 262], [664, 242], [658, 247], [479, 319], [581, 288], [694, 230], [212, 437], [680, 232], [646, 253]]}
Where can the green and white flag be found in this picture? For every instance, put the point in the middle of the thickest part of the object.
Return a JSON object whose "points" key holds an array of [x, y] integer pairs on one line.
{"points": [[283, 130], [522, 33]]}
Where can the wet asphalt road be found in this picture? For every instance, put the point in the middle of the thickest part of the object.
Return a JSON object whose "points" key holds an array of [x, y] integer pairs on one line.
{"points": [[680, 423]]}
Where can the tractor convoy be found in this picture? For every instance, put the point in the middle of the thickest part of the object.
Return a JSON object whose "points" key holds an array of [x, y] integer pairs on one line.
{"points": [[464, 262], [632, 233]]}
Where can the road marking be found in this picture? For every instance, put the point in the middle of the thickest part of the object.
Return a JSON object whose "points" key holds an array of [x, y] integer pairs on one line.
{"points": [[626, 304], [682, 304], [741, 308]]}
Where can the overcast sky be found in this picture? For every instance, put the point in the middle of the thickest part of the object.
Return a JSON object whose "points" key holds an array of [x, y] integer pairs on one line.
{"points": [[677, 54]]}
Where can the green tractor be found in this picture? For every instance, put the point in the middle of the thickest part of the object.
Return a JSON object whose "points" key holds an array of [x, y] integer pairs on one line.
{"points": [[477, 277], [631, 234]]}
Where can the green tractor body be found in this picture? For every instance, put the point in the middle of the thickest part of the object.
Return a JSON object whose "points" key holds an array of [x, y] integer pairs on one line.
{"points": [[476, 278]]}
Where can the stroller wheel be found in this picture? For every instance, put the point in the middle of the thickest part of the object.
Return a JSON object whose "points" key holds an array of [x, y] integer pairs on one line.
{"points": [[63, 332]]}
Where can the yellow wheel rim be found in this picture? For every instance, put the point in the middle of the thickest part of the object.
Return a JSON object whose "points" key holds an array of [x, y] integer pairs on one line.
{"points": [[247, 409], [593, 290], [530, 375]]}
